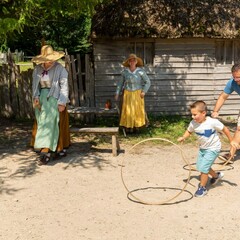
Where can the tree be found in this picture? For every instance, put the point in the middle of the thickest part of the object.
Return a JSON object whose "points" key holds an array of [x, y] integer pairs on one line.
{"points": [[17, 16]]}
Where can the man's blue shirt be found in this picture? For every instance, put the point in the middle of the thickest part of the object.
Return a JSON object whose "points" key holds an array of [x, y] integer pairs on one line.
{"points": [[232, 86]]}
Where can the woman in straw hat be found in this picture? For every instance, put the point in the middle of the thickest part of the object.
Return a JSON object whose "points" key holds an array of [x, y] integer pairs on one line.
{"points": [[50, 97], [134, 85]]}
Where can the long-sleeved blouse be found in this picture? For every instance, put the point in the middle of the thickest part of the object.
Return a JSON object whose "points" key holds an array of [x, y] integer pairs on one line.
{"points": [[133, 81], [59, 77]]}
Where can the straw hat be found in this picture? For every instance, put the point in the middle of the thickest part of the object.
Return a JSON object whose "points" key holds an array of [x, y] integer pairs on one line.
{"points": [[47, 55], [131, 56]]}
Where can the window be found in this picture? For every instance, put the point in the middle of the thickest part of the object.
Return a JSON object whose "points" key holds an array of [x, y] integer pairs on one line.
{"points": [[227, 51], [144, 50]]}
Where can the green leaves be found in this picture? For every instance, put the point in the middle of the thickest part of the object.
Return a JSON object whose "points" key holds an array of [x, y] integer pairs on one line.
{"points": [[15, 14]]}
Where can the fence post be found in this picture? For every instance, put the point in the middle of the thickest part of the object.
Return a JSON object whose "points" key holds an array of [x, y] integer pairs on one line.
{"points": [[80, 81], [89, 81], [74, 79], [12, 84]]}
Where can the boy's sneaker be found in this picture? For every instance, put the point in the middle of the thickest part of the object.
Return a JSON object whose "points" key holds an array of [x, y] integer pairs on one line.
{"points": [[201, 191], [214, 181]]}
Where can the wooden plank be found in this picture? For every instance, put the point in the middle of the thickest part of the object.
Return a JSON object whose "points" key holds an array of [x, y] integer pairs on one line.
{"points": [[98, 58], [190, 59], [161, 77], [167, 82], [96, 130], [185, 64], [92, 110], [184, 43], [159, 69]]}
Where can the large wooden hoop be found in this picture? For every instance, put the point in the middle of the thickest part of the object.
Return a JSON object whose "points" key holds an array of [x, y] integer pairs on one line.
{"points": [[167, 200], [222, 168]]}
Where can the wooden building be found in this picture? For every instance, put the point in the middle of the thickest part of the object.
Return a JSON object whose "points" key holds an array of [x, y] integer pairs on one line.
{"points": [[188, 50]]}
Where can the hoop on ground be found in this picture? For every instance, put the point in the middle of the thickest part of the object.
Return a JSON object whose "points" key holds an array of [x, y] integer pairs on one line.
{"points": [[168, 188], [130, 193]]}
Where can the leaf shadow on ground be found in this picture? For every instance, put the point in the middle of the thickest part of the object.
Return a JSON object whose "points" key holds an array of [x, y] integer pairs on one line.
{"points": [[18, 160]]}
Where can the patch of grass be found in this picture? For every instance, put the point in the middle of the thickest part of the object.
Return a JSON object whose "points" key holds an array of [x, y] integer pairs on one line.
{"points": [[24, 66], [167, 127]]}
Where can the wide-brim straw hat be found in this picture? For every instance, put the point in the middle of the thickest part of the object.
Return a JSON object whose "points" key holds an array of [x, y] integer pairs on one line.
{"points": [[48, 55], [131, 56]]}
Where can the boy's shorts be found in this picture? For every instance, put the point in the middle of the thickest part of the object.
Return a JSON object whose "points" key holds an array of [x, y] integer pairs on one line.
{"points": [[206, 159]]}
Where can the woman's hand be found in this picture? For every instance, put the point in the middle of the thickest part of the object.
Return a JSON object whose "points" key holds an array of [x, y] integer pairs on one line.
{"points": [[116, 97], [61, 108], [142, 94], [36, 101]]}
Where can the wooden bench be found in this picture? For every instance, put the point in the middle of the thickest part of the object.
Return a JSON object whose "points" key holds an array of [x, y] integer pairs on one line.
{"points": [[101, 130]]}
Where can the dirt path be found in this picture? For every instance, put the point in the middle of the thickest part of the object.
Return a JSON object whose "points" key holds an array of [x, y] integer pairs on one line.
{"points": [[82, 196]]}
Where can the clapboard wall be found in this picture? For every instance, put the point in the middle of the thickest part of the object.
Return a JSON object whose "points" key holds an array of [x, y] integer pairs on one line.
{"points": [[182, 71]]}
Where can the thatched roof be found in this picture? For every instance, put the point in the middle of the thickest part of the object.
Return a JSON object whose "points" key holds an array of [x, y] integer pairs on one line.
{"points": [[167, 19]]}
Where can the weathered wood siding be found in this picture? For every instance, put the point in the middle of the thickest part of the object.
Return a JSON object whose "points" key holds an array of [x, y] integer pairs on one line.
{"points": [[183, 71]]}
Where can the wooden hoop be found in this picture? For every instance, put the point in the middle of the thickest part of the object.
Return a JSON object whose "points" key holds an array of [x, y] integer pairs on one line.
{"points": [[227, 168], [222, 168], [170, 199]]}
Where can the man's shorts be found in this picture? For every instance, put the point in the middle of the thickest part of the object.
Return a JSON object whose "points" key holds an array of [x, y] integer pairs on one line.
{"points": [[206, 159]]}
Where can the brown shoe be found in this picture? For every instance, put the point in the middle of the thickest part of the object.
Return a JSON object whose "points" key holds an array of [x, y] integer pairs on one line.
{"points": [[43, 159]]}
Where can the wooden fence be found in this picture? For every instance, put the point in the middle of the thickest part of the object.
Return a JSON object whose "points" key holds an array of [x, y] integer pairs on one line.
{"points": [[16, 86]]}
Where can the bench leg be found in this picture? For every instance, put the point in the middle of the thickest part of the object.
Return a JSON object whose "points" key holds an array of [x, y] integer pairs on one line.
{"points": [[115, 145], [118, 145]]}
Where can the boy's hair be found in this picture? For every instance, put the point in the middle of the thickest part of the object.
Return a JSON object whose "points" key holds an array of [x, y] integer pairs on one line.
{"points": [[200, 105], [235, 67]]}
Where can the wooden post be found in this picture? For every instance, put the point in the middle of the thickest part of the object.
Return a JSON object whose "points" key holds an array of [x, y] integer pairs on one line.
{"points": [[12, 84], [80, 81], [21, 95], [114, 145], [89, 80], [70, 80], [74, 79], [7, 109]]}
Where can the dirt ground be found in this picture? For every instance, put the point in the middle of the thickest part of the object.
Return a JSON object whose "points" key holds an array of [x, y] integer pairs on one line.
{"points": [[84, 195]]}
